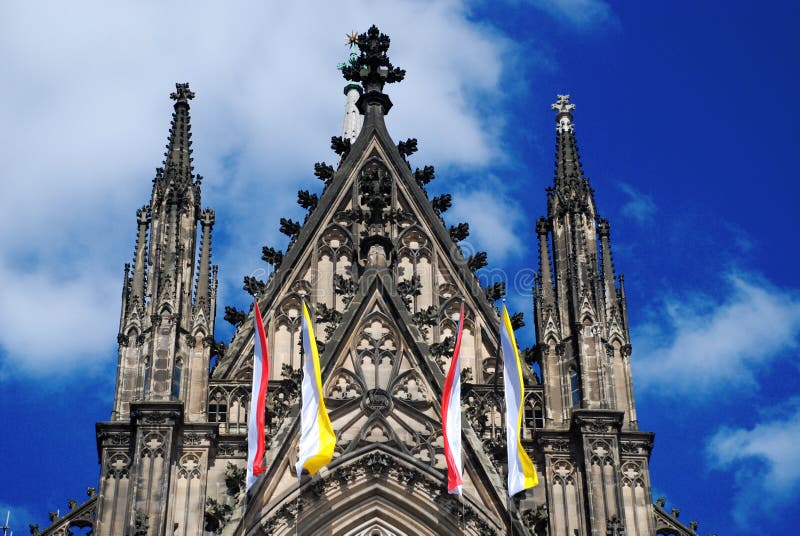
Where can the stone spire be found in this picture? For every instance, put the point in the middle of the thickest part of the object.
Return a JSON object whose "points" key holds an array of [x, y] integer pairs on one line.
{"points": [[140, 256], [178, 158], [581, 314], [569, 182], [203, 300], [373, 70], [353, 120], [161, 295]]}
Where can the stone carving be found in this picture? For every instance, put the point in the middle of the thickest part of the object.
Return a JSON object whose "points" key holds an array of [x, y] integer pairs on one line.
{"points": [[153, 445], [120, 439], [377, 400], [140, 523], [614, 527], [118, 465], [190, 465], [234, 478], [345, 386], [216, 515], [381, 466], [537, 519]]}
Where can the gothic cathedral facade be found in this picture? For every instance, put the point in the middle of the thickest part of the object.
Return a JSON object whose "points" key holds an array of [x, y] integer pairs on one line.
{"points": [[384, 278]]}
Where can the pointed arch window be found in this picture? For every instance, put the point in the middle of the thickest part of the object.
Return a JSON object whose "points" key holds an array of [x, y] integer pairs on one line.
{"points": [[217, 408], [534, 417], [575, 386]]}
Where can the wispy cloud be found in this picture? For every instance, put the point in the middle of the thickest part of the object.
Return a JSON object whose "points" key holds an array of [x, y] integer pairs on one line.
{"points": [[765, 460], [495, 220], [87, 114], [639, 206], [583, 14], [700, 345]]}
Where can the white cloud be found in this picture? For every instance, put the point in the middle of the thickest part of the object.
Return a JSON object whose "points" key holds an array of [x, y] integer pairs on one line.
{"points": [[50, 323], [581, 13], [765, 461], [700, 346], [495, 221], [85, 117], [639, 206]]}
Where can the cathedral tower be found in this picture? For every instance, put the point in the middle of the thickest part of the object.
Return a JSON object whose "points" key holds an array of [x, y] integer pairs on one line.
{"points": [[385, 279], [166, 330]]}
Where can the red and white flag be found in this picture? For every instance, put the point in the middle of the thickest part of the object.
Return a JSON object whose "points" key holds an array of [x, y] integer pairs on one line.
{"points": [[451, 415], [258, 398]]}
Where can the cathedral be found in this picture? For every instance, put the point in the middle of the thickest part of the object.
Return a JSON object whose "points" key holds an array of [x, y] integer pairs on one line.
{"points": [[384, 278]]}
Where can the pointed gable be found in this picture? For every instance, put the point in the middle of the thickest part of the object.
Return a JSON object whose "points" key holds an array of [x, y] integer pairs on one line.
{"points": [[383, 392]]}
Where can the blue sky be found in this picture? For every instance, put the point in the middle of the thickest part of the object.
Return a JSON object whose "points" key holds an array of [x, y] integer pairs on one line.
{"points": [[686, 118]]}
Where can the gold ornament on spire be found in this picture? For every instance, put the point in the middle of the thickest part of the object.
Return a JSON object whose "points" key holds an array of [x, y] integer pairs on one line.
{"points": [[351, 38]]}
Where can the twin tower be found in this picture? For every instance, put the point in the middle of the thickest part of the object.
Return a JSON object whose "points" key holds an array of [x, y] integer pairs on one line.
{"points": [[385, 278]]}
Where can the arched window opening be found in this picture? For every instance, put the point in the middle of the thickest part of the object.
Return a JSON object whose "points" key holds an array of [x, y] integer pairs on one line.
{"points": [[534, 418], [217, 408], [575, 385], [237, 413], [80, 528]]}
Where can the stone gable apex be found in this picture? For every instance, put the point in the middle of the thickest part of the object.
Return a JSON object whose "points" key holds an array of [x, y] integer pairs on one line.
{"points": [[373, 141]]}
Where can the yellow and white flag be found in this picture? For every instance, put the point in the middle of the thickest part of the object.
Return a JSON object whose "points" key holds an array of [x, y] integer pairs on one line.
{"points": [[521, 472], [317, 439]]}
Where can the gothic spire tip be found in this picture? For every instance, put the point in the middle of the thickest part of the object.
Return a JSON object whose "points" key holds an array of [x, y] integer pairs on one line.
{"points": [[564, 115], [182, 94], [371, 66]]}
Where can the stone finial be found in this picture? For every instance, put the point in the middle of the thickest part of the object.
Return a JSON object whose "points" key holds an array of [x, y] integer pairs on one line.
{"points": [[91, 492], [562, 105], [72, 503], [661, 501], [372, 68], [143, 215], [693, 525], [542, 226], [603, 227], [207, 217], [676, 512], [564, 115], [182, 94]]}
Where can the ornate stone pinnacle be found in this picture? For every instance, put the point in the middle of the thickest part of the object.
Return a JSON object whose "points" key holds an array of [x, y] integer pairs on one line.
{"points": [[562, 105], [182, 93], [564, 115], [207, 217], [542, 226]]}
